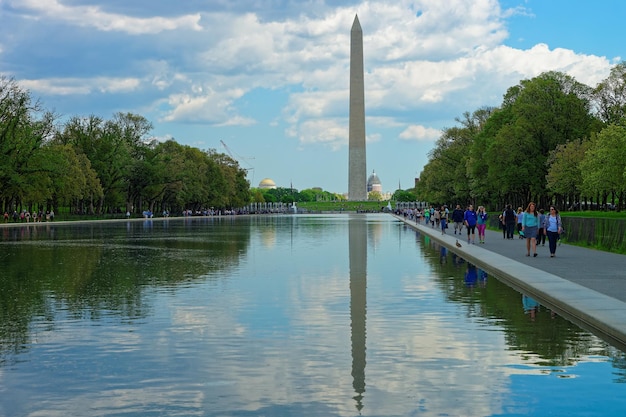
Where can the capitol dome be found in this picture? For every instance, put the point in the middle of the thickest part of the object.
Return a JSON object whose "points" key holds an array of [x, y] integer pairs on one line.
{"points": [[267, 183], [374, 184]]}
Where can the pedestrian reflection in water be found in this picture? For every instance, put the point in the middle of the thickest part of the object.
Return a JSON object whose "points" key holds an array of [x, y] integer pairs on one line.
{"points": [[443, 255], [530, 306], [457, 260], [471, 275], [482, 278]]}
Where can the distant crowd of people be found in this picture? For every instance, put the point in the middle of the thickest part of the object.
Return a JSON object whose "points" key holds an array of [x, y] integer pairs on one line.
{"points": [[27, 216], [531, 224], [440, 217]]}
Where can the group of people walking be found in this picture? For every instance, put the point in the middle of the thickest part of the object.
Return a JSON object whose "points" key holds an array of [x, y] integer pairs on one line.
{"points": [[531, 224], [26, 216], [534, 226], [472, 220], [440, 217]]}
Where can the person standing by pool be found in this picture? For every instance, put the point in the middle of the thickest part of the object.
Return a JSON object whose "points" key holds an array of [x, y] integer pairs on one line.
{"points": [[481, 223], [552, 228], [530, 224]]}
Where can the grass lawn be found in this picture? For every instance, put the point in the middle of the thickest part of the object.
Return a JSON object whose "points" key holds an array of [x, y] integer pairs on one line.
{"points": [[595, 214], [317, 206]]}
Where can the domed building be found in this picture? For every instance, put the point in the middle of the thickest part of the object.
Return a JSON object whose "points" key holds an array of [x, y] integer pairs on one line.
{"points": [[374, 184], [267, 184]]}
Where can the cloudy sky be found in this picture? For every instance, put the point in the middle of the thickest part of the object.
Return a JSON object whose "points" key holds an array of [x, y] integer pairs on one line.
{"points": [[270, 78]]}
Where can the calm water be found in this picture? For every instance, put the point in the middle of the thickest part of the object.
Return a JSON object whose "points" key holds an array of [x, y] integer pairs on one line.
{"points": [[279, 316]]}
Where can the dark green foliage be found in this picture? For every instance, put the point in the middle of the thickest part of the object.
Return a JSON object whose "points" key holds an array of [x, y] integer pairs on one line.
{"points": [[95, 166], [404, 196]]}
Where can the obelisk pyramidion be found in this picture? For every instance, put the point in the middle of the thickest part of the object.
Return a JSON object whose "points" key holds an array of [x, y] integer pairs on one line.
{"points": [[357, 187]]}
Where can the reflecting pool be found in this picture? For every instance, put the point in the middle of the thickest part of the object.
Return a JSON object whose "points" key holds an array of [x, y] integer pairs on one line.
{"points": [[329, 315]]}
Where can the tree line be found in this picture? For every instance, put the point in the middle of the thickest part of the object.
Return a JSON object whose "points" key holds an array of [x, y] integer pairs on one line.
{"points": [[553, 140], [94, 166], [89, 165], [290, 195]]}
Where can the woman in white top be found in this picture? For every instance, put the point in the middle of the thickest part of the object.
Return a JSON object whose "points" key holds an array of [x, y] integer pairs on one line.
{"points": [[552, 227]]}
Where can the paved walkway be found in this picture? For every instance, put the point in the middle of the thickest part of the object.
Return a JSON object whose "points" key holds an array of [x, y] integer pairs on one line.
{"points": [[585, 285]]}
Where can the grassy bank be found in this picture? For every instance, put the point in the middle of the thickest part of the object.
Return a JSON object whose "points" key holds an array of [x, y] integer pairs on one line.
{"points": [[336, 206]]}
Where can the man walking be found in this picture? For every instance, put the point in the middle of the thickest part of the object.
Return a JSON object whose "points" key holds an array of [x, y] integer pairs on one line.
{"points": [[510, 219], [457, 218]]}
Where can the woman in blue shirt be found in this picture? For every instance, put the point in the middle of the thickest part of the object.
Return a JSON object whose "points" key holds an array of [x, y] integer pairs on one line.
{"points": [[530, 224]]}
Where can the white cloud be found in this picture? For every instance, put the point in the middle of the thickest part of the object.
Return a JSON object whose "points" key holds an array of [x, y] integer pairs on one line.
{"points": [[329, 132], [420, 133], [81, 86], [96, 17], [206, 106]]}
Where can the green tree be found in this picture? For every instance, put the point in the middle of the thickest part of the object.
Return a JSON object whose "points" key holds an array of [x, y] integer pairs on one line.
{"points": [[195, 191], [24, 128], [610, 96], [564, 179], [477, 166], [281, 194], [536, 116], [156, 171], [404, 196], [229, 186], [71, 178], [604, 164], [309, 195], [550, 110], [374, 196], [167, 173], [115, 148]]}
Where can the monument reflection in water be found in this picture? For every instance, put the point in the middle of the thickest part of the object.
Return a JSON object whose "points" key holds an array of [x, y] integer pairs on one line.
{"points": [[279, 316], [357, 233]]}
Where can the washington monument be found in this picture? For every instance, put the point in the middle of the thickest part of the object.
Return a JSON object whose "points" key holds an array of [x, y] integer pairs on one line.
{"points": [[357, 187]]}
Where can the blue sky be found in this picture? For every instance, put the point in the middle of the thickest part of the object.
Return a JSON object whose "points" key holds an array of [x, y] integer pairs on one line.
{"points": [[270, 78]]}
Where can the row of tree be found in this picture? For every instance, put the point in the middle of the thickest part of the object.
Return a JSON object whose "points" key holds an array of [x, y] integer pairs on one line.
{"points": [[91, 165], [290, 195], [553, 140]]}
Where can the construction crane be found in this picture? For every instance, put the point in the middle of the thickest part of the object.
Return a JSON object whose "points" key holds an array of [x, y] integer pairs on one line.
{"points": [[238, 157]]}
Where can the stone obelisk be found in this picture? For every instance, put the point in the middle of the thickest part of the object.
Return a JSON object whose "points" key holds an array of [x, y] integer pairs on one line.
{"points": [[357, 187]]}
